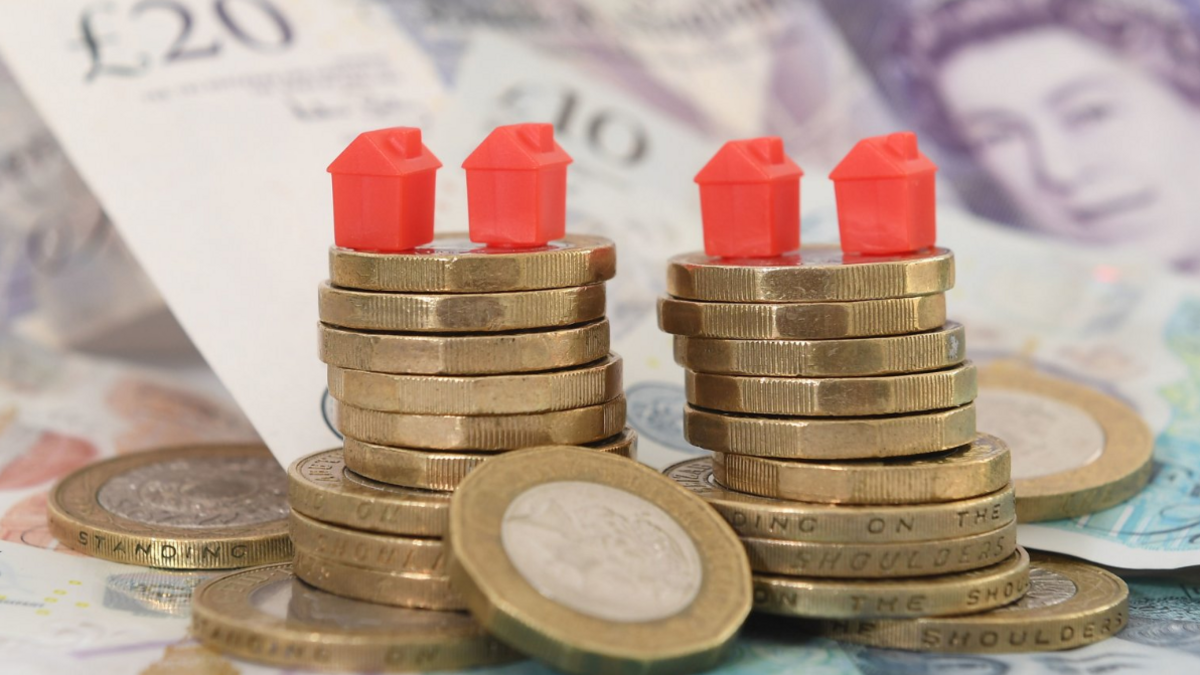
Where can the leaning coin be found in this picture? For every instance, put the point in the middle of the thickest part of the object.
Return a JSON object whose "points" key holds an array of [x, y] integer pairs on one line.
{"points": [[459, 312], [452, 263], [433, 470], [1069, 604], [379, 552], [962, 593], [801, 321], [266, 614], [400, 589], [971, 471], [189, 507], [813, 273], [595, 564], [321, 487]]}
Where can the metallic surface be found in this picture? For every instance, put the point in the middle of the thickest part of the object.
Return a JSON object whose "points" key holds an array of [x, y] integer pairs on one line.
{"points": [[399, 589], [379, 552]]}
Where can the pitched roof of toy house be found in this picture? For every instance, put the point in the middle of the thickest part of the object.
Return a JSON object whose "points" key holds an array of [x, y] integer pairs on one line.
{"points": [[395, 151], [891, 156], [518, 147], [749, 161]]}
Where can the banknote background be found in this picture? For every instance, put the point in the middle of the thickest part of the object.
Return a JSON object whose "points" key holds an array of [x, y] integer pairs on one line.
{"points": [[1069, 205]]}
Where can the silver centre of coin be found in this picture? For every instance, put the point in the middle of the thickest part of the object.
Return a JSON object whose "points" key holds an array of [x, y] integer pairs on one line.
{"points": [[1045, 436], [1046, 588], [200, 492], [601, 551]]}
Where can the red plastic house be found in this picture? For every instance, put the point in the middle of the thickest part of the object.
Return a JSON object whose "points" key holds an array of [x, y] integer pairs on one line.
{"points": [[517, 187], [750, 200], [885, 196], [383, 185]]}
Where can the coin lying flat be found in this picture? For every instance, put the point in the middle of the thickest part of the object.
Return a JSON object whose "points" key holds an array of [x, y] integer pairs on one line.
{"points": [[459, 312], [266, 614], [399, 589], [586, 385], [433, 470], [483, 354], [971, 471], [830, 438], [951, 594], [321, 487], [935, 350], [452, 263], [484, 433], [592, 563], [1069, 604], [379, 552], [813, 273], [752, 516], [190, 507], [801, 321], [1075, 450]]}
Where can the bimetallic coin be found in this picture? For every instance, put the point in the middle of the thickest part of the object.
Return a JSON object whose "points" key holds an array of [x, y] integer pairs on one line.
{"points": [[483, 354], [801, 321], [592, 563], [452, 263], [1069, 604], [379, 552], [433, 470], [459, 312], [813, 273], [971, 471], [266, 614], [951, 594], [855, 357], [399, 589], [591, 384], [190, 507], [830, 438]]}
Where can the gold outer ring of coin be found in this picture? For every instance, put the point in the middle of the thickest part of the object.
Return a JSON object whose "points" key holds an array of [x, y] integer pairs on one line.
{"points": [[78, 520], [854, 357], [399, 589], [591, 384], [433, 470], [1120, 472], [225, 617], [321, 487], [802, 321], [830, 438], [962, 593], [488, 353], [451, 263], [752, 516], [962, 473], [379, 552], [484, 433], [811, 274], [881, 560], [459, 312], [833, 396], [511, 608], [1097, 610]]}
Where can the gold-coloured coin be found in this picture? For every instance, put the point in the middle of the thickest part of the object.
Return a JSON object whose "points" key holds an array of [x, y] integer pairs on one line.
{"points": [[801, 321], [459, 312], [1069, 604], [484, 433], [753, 516], [1075, 450], [947, 595], [962, 473], [830, 438], [433, 470], [592, 384], [811, 274], [266, 614], [399, 589], [833, 396], [487, 353], [882, 560], [321, 487], [595, 564], [935, 350], [452, 263], [189, 507], [379, 552]]}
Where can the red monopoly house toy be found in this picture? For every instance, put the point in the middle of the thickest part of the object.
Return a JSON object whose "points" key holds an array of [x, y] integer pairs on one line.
{"points": [[750, 200]]}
